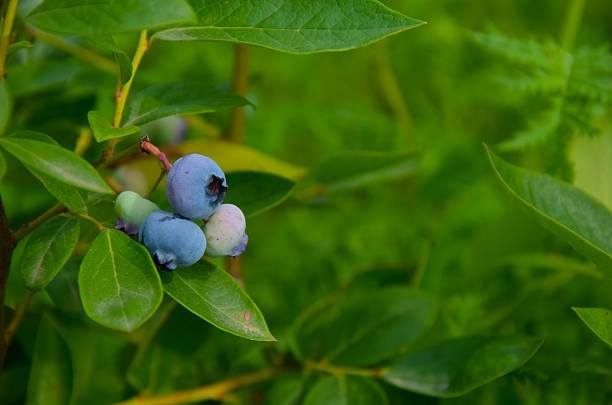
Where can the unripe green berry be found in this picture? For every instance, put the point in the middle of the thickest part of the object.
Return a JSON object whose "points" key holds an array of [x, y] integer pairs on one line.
{"points": [[132, 208]]}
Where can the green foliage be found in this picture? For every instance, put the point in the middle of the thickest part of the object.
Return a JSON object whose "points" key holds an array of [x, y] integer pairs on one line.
{"points": [[296, 26], [455, 367], [118, 282], [215, 296], [179, 98], [385, 263], [47, 250]]}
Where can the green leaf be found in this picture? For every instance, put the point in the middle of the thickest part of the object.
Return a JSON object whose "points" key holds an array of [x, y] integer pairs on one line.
{"points": [[456, 367], [346, 390], [179, 98], [47, 251], [103, 130], [94, 17], [107, 43], [37, 76], [293, 26], [50, 379], [287, 390], [5, 106], [19, 45], [598, 320], [56, 162], [256, 192], [563, 209], [68, 195], [214, 295], [118, 282], [364, 328], [355, 169]]}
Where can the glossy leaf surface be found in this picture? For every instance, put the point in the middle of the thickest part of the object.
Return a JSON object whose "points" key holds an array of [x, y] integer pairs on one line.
{"points": [[294, 26], [598, 320], [47, 251], [179, 98], [118, 282], [103, 130], [564, 209], [214, 295], [256, 192]]}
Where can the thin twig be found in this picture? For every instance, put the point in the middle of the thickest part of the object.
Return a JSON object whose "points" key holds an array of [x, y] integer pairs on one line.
{"points": [[311, 365], [122, 95], [30, 226], [5, 38], [17, 316], [216, 391], [147, 146], [159, 179]]}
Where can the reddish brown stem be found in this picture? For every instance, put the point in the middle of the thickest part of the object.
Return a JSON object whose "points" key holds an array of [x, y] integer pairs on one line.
{"points": [[147, 146]]}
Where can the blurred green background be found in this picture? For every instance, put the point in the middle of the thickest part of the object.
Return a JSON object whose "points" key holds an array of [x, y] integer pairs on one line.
{"points": [[434, 89]]}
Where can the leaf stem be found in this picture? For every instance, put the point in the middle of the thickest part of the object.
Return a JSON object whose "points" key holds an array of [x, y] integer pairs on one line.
{"points": [[82, 142], [216, 391], [94, 221], [87, 55], [147, 146], [5, 37], [122, 95], [30, 226], [573, 18], [341, 370], [17, 316]]}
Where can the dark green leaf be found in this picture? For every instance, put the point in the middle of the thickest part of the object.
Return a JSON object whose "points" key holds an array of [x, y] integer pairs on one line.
{"points": [[287, 390], [346, 390], [56, 162], [93, 17], [214, 295], [562, 208], [68, 195], [37, 76], [5, 106], [15, 287], [256, 192], [107, 43], [47, 251], [14, 384], [598, 320], [293, 26], [179, 98], [354, 169], [50, 380], [456, 367], [118, 282], [103, 130], [19, 45], [364, 328]]}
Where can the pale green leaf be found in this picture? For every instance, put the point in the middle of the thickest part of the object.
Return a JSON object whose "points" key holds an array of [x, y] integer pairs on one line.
{"points": [[103, 130]]}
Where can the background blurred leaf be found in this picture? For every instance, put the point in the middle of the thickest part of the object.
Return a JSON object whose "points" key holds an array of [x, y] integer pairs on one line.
{"points": [[455, 367], [256, 192], [357, 168], [216, 297], [5, 106], [364, 328], [56, 162], [78, 17], [2, 165], [178, 98], [295, 26], [50, 381], [103, 130], [118, 282], [346, 389], [48, 249], [565, 210], [598, 320]]}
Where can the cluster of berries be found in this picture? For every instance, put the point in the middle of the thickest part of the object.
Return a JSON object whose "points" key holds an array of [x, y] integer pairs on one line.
{"points": [[195, 188]]}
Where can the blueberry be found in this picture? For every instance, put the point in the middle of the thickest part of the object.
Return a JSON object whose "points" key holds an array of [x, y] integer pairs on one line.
{"points": [[172, 240], [132, 208], [225, 232], [195, 186]]}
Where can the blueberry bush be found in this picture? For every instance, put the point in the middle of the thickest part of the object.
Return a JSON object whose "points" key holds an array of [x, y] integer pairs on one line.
{"points": [[298, 202]]}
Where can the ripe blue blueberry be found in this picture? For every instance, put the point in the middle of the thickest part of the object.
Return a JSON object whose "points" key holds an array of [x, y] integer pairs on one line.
{"points": [[225, 232], [195, 186], [172, 240]]}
